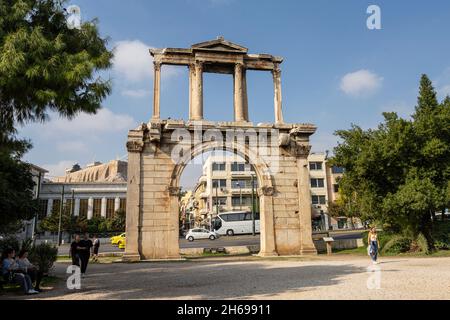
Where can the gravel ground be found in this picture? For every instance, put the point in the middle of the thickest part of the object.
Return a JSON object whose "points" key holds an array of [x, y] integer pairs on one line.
{"points": [[343, 277]]}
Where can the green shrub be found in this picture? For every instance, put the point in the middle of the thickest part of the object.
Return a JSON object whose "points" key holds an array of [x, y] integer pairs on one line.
{"points": [[396, 244], [44, 256], [422, 244], [9, 242], [441, 235]]}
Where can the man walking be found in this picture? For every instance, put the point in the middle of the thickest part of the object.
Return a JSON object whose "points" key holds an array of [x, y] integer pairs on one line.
{"points": [[85, 252]]}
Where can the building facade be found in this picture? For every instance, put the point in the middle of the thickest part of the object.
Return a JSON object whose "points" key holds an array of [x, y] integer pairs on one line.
{"points": [[226, 185]]}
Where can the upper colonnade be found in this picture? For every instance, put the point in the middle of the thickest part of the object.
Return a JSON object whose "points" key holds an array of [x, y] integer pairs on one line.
{"points": [[217, 56]]}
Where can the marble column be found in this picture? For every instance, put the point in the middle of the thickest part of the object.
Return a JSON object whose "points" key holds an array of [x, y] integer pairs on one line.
{"points": [[244, 94], [191, 88], [156, 90], [49, 207], [277, 95], [116, 204], [197, 101], [90, 212], [76, 209], [239, 113], [103, 208]]}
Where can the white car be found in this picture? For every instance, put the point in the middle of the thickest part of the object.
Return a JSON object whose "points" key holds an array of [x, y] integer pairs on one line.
{"points": [[199, 233]]}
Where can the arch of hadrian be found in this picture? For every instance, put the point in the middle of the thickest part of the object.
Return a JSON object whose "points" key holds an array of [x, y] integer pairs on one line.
{"points": [[159, 150]]}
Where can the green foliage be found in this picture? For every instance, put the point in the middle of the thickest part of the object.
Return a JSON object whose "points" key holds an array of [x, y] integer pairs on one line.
{"points": [[44, 256], [422, 244], [9, 242], [44, 67], [69, 223], [441, 235], [397, 244], [398, 174]]}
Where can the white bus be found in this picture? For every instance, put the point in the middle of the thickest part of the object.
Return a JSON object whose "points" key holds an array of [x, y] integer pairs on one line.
{"points": [[237, 222]]}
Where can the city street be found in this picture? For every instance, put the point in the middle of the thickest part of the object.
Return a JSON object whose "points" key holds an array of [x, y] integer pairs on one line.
{"points": [[321, 277], [225, 241]]}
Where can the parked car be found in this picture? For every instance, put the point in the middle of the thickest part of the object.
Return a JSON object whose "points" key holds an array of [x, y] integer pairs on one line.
{"points": [[199, 233], [116, 239]]}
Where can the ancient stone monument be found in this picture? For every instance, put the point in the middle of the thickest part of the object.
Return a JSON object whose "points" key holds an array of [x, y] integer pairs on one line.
{"points": [[159, 151]]}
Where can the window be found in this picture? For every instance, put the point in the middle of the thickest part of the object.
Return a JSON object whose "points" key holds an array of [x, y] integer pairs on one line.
{"points": [[221, 201], [243, 183], [318, 200], [335, 169], [236, 201], [237, 167], [218, 167], [315, 166], [123, 205], [317, 183], [219, 183], [68, 209], [43, 205], [335, 188], [97, 212], [110, 208], [83, 208]]}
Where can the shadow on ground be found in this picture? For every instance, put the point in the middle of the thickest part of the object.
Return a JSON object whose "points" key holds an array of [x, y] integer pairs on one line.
{"points": [[198, 280]]}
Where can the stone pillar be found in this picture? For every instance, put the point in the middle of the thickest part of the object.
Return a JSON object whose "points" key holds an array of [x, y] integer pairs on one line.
{"points": [[116, 204], [277, 95], [267, 228], [135, 146], [156, 90], [49, 207], [76, 209], [244, 94], [239, 113], [90, 212], [191, 88], [304, 196], [103, 208], [197, 90]]}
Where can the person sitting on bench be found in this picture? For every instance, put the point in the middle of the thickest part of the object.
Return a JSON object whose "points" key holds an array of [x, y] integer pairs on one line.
{"points": [[13, 274], [31, 270]]}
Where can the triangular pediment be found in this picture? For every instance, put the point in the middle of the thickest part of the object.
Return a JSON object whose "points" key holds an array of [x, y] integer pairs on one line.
{"points": [[220, 44]]}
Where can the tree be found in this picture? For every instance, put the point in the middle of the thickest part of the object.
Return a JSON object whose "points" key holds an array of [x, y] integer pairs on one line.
{"points": [[398, 173], [44, 67]]}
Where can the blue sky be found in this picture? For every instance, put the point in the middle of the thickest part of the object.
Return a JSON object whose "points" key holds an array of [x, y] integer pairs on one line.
{"points": [[336, 71]]}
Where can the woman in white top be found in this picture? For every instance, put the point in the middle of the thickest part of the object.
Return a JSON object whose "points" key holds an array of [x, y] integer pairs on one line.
{"points": [[374, 244]]}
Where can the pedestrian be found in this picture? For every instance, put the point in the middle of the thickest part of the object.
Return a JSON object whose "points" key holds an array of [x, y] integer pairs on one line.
{"points": [[85, 252], [30, 269], [374, 244], [75, 251], [12, 273], [96, 243]]}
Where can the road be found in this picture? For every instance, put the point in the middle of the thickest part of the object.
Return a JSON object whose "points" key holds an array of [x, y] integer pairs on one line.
{"points": [[225, 241], [320, 277]]}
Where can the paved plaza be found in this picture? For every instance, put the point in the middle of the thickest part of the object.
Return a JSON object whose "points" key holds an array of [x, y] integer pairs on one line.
{"points": [[338, 277]]}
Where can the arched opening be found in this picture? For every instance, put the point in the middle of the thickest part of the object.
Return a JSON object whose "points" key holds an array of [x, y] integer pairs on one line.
{"points": [[231, 198], [219, 204]]}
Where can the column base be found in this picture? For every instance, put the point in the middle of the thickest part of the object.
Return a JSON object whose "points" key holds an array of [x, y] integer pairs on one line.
{"points": [[268, 254], [308, 252], [131, 257]]}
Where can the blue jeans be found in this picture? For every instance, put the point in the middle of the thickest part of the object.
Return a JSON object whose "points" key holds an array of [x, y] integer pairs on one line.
{"points": [[374, 250]]}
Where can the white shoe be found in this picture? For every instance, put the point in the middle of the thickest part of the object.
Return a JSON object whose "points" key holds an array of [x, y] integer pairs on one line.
{"points": [[32, 291]]}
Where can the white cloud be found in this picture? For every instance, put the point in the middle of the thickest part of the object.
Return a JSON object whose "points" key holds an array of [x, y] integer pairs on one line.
{"points": [[135, 93], [58, 169], [360, 83], [105, 121], [72, 146], [132, 60]]}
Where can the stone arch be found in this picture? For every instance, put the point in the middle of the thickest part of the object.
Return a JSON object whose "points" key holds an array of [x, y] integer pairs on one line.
{"points": [[265, 189]]}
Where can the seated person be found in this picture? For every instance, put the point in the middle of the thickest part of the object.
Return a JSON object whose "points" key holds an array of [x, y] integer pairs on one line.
{"points": [[29, 268], [12, 273]]}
